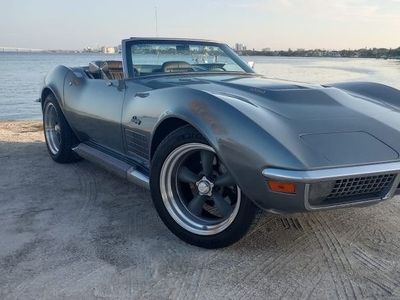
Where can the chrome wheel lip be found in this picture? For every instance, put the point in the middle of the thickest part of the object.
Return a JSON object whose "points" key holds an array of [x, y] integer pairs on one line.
{"points": [[52, 128], [173, 202]]}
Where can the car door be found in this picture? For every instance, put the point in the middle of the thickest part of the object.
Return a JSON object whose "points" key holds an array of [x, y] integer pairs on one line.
{"points": [[94, 109], [138, 119]]}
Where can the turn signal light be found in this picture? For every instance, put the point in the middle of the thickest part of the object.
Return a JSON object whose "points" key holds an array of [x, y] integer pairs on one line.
{"points": [[282, 187]]}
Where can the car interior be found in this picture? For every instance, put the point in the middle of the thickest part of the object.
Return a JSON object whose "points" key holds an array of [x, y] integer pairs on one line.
{"points": [[113, 70]]}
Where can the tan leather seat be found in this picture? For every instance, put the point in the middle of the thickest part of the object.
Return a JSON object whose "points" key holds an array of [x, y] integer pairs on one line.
{"points": [[115, 70], [176, 66]]}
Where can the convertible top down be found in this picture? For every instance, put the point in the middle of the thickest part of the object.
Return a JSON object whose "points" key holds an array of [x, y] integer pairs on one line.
{"points": [[216, 143]]}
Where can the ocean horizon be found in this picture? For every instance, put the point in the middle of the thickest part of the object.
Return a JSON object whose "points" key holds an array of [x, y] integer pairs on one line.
{"points": [[22, 74]]}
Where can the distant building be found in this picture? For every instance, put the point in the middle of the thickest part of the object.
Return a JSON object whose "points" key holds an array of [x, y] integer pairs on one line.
{"points": [[240, 47], [266, 49], [109, 50], [92, 49], [87, 49]]}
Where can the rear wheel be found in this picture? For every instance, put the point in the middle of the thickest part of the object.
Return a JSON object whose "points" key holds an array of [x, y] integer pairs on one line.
{"points": [[195, 195], [58, 135]]}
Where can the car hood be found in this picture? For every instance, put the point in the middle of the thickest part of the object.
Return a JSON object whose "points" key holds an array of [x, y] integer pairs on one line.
{"points": [[297, 101], [339, 127], [321, 126]]}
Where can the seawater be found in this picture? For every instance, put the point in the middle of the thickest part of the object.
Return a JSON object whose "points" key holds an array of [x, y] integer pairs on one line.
{"points": [[21, 79], [21, 74]]}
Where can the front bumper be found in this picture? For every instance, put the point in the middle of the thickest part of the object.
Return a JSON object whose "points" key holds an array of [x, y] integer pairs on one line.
{"points": [[333, 188]]}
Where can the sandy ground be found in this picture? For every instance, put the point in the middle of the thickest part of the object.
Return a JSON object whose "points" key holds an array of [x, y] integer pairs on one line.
{"points": [[77, 232]]}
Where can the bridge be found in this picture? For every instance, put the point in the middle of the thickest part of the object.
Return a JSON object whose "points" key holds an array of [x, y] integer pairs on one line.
{"points": [[19, 49]]}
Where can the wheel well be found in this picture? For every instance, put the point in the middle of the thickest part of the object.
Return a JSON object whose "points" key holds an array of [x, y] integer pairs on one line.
{"points": [[165, 128], [45, 93]]}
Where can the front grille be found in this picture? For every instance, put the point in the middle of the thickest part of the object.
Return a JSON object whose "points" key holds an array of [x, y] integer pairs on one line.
{"points": [[369, 185]]}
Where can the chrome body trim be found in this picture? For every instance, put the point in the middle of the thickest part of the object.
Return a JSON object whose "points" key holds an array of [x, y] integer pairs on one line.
{"points": [[113, 165], [102, 159], [393, 189], [330, 174], [309, 177], [365, 202], [138, 178]]}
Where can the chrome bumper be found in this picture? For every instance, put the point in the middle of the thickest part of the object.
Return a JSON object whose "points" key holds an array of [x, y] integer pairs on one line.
{"points": [[342, 187]]}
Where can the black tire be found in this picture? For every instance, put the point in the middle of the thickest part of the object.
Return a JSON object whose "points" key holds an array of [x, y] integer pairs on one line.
{"points": [[195, 196], [58, 134]]}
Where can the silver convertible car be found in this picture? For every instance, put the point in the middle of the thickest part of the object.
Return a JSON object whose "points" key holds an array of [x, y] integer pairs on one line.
{"points": [[217, 143]]}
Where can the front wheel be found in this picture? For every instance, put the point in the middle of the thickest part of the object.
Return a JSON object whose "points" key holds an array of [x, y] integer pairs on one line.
{"points": [[195, 195]]}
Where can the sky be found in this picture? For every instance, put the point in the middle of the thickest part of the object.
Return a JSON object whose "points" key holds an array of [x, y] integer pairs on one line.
{"points": [[275, 24]]}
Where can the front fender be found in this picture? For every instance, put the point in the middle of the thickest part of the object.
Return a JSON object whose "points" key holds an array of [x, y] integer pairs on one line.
{"points": [[244, 147], [54, 83]]}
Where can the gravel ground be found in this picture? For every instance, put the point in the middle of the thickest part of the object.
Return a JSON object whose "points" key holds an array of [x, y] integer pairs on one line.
{"points": [[77, 232]]}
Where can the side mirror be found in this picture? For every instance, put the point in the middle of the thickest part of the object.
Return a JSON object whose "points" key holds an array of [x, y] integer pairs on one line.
{"points": [[104, 67], [95, 66], [99, 67], [251, 64]]}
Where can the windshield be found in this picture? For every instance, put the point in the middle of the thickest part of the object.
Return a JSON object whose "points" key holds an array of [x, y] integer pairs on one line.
{"points": [[165, 57]]}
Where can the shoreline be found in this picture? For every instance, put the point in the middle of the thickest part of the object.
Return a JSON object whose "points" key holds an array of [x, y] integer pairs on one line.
{"points": [[19, 120], [247, 53], [21, 131]]}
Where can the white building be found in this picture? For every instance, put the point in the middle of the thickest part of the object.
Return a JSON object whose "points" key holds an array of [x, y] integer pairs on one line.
{"points": [[108, 50]]}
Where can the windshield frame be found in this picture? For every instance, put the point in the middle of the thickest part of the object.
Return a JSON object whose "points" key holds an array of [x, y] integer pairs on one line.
{"points": [[128, 63]]}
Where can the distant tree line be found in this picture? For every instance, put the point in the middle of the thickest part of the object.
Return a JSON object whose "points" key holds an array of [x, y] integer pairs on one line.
{"points": [[362, 53]]}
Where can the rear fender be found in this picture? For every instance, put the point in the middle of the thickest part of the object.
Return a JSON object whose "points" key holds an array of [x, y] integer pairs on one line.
{"points": [[375, 91]]}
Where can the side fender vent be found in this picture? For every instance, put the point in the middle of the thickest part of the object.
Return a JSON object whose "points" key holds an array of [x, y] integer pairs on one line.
{"points": [[137, 144]]}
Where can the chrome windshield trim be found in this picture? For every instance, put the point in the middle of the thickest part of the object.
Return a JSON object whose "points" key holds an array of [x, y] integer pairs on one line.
{"points": [[331, 174]]}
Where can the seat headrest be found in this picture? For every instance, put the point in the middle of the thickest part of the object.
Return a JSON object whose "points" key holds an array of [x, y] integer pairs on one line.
{"points": [[175, 66], [114, 64]]}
